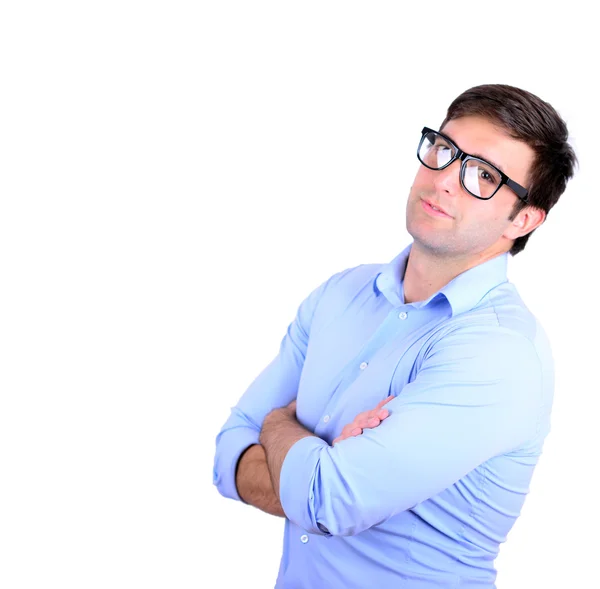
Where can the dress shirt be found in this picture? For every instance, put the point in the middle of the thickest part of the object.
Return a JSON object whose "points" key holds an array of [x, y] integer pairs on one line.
{"points": [[426, 498]]}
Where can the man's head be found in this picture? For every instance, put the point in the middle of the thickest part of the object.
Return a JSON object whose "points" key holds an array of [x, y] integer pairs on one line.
{"points": [[525, 139]]}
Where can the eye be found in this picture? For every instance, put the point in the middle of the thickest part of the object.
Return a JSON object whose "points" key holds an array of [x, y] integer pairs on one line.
{"points": [[443, 154], [442, 150], [487, 176], [436, 142]]}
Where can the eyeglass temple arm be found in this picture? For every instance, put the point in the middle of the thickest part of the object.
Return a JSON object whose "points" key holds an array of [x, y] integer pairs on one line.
{"points": [[517, 189]]}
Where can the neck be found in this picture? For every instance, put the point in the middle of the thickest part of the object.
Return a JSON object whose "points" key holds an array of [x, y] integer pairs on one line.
{"points": [[426, 273]]}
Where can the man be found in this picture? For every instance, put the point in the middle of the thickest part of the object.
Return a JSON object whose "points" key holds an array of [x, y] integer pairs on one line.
{"points": [[398, 427]]}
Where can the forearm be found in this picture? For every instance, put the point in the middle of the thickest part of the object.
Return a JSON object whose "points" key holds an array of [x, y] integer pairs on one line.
{"points": [[280, 432], [254, 484]]}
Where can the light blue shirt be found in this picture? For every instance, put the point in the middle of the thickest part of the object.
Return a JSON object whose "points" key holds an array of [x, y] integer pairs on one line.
{"points": [[425, 499]]}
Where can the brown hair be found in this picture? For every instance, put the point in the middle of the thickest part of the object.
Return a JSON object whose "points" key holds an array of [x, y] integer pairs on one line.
{"points": [[527, 118]]}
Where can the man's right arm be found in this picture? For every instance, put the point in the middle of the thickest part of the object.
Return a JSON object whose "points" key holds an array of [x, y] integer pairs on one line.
{"points": [[276, 386], [253, 481]]}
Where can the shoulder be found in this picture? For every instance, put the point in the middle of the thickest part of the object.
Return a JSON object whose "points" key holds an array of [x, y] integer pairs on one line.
{"points": [[499, 332], [355, 277], [345, 284], [501, 317]]}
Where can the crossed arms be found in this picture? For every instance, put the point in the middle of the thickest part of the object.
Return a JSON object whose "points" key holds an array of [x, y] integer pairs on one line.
{"points": [[259, 467]]}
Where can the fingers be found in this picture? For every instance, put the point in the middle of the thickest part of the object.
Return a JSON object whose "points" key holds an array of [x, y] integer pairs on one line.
{"points": [[383, 413], [374, 417], [373, 421], [349, 431], [364, 420], [386, 400]]}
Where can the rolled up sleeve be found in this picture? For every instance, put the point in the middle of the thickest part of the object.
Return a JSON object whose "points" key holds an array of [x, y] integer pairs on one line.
{"points": [[478, 394]]}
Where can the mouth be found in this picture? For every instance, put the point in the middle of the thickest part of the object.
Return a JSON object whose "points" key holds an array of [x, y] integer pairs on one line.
{"points": [[434, 210]]}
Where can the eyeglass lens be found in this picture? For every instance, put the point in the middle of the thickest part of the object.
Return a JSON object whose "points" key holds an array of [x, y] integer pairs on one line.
{"points": [[479, 178]]}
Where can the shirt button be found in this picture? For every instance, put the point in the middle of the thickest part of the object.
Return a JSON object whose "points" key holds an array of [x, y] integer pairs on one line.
{"points": [[326, 418], [304, 538], [403, 315], [363, 365]]}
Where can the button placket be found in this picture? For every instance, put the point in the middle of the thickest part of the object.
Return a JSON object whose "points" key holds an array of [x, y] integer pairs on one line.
{"points": [[388, 329]]}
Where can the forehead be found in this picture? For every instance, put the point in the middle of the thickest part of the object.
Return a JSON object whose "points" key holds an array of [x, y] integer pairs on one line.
{"points": [[478, 136]]}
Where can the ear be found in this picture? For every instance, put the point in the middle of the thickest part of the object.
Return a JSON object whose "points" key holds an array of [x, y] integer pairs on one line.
{"points": [[525, 222]]}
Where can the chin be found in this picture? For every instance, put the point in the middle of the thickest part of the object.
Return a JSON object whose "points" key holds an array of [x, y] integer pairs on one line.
{"points": [[420, 231], [427, 238]]}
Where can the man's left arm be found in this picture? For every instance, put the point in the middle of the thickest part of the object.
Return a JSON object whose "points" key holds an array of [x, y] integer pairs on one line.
{"points": [[478, 394]]}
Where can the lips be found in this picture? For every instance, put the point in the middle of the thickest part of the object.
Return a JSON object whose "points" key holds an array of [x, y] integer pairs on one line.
{"points": [[430, 206]]}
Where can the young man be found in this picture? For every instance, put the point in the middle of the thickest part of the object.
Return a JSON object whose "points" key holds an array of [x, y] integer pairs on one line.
{"points": [[398, 428]]}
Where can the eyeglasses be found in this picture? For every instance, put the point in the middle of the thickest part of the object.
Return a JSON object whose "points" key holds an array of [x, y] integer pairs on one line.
{"points": [[478, 177]]}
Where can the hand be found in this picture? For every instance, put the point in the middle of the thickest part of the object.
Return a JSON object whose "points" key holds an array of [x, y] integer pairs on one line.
{"points": [[291, 408], [289, 411], [366, 419]]}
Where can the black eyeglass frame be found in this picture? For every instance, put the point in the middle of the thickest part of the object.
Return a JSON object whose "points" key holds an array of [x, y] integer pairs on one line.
{"points": [[521, 192]]}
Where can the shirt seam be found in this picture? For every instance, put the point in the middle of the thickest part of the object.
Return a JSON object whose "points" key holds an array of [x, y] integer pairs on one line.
{"points": [[481, 480], [538, 423]]}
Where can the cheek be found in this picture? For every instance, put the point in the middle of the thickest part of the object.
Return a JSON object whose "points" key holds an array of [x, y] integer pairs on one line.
{"points": [[483, 222], [424, 177]]}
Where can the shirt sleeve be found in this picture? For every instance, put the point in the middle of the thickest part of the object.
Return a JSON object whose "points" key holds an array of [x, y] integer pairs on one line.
{"points": [[478, 394], [276, 386]]}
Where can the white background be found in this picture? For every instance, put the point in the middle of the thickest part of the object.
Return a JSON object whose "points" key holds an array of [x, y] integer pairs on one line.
{"points": [[175, 178]]}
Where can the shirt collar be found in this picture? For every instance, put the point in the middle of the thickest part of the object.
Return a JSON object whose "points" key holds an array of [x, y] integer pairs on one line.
{"points": [[389, 282], [462, 293]]}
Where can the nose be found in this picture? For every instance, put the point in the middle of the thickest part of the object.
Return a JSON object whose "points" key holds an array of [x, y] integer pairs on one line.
{"points": [[448, 179]]}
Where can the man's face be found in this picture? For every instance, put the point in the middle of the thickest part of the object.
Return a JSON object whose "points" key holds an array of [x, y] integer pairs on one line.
{"points": [[471, 226]]}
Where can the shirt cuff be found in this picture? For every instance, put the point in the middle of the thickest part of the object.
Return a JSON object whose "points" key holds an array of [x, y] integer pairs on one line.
{"points": [[296, 483], [231, 446]]}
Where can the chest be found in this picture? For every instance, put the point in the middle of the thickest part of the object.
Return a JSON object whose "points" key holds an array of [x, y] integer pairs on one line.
{"points": [[354, 361]]}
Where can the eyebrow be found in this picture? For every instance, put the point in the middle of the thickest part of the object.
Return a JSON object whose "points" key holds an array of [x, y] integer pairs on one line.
{"points": [[477, 155], [485, 159]]}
